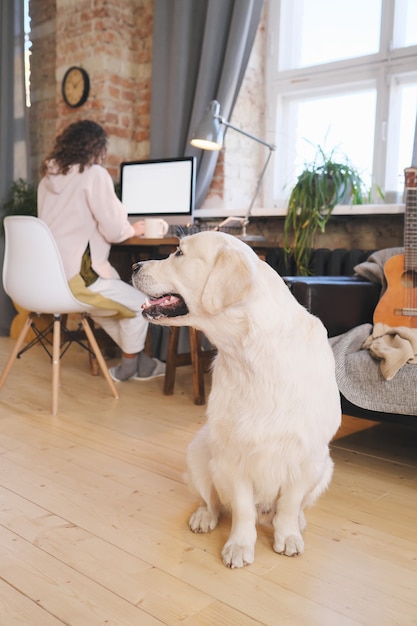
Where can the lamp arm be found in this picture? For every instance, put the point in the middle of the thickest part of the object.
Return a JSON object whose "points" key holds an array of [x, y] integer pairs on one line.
{"points": [[271, 146], [222, 120], [258, 186]]}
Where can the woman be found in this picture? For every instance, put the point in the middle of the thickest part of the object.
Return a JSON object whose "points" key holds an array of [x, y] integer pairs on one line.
{"points": [[76, 198]]}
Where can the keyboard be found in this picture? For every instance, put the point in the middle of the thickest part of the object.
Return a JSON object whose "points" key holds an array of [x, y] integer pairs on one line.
{"points": [[192, 229]]}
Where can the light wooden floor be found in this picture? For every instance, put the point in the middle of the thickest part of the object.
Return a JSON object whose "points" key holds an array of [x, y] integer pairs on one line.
{"points": [[93, 517]]}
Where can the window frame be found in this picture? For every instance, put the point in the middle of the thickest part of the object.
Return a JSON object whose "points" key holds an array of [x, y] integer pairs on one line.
{"points": [[378, 69]]}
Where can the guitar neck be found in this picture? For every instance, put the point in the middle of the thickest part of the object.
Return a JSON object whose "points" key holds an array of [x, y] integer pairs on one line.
{"points": [[410, 220]]}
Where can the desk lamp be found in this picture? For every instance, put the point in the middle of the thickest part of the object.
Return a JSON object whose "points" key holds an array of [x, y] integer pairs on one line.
{"points": [[209, 136]]}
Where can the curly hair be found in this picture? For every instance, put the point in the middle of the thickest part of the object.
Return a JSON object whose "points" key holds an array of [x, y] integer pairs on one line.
{"points": [[81, 143]]}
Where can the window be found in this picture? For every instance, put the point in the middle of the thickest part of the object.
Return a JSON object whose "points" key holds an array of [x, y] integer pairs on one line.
{"points": [[28, 46], [342, 76]]}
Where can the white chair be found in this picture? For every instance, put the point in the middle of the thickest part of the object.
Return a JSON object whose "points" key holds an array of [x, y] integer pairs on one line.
{"points": [[33, 277]]}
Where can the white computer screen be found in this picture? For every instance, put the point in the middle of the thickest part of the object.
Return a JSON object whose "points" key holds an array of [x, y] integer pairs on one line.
{"points": [[159, 187]]}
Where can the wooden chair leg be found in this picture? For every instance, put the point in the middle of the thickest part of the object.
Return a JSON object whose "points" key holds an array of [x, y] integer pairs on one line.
{"points": [[198, 367], [171, 361], [56, 356], [148, 342], [92, 359], [198, 358], [56, 344], [94, 366], [18, 344], [94, 345]]}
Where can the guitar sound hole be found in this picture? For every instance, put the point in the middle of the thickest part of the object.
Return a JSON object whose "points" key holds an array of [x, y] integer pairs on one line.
{"points": [[409, 279]]}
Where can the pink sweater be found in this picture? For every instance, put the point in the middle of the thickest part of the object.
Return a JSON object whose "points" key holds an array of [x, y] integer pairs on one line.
{"points": [[82, 208]]}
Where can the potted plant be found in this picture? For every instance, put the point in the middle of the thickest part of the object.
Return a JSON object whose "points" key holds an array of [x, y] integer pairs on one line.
{"points": [[21, 200], [325, 182]]}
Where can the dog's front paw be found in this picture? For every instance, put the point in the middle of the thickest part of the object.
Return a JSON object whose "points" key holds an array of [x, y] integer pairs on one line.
{"points": [[201, 521], [293, 545], [235, 555]]}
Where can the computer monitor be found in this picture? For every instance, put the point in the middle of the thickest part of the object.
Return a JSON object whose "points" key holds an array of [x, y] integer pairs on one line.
{"points": [[159, 188]]}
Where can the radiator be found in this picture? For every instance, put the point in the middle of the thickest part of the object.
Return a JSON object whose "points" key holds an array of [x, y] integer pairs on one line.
{"points": [[323, 262]]}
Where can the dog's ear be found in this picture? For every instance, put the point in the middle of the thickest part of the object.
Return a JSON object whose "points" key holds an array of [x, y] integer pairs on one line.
{"points": [[229, 282]]}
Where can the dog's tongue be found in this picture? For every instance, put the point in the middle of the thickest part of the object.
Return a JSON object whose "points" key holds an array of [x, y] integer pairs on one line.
{"points": [[168, 300]]}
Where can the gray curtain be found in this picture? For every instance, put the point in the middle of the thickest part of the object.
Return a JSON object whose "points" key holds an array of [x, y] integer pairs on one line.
{"points": [[200, 52], [14, 153]]}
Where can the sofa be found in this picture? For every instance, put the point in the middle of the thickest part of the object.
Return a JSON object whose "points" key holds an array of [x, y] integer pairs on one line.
{"points": [[344, 299]]}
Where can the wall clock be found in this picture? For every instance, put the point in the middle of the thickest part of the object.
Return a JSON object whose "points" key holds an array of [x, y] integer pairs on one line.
{"points": [[75, 86]]}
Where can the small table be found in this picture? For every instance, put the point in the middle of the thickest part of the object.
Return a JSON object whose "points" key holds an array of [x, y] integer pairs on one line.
{"points": [[146, 242]]}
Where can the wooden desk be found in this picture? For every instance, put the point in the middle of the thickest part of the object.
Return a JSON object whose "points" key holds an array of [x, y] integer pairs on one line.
{"points": [[145, 242], [142, 242]]}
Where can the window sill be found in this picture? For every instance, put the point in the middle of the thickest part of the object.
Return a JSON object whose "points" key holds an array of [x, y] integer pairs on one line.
{"points": [[341, 209]]}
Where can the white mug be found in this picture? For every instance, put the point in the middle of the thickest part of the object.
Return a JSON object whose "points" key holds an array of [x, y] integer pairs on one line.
{"points": [[155, 227]]}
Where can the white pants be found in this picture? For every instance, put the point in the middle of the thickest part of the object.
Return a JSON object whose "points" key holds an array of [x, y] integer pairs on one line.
{"points": [[129, 333]]}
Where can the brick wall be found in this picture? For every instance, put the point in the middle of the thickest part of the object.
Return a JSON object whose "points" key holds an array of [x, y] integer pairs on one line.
{"points": [[113, 42], [43, 110]]}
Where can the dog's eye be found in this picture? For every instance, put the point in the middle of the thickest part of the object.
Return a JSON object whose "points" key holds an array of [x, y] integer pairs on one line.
{"points": [[178, 252]]}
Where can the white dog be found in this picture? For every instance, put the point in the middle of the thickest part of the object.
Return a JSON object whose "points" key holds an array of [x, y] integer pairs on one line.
{"points": [[274, 403]]}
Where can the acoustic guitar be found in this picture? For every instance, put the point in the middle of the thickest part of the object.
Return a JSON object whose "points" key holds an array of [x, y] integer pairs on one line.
{"points": [[398, 305]]}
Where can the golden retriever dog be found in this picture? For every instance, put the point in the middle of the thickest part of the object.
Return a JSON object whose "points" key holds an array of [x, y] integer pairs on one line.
{"points": [[274, 403]]}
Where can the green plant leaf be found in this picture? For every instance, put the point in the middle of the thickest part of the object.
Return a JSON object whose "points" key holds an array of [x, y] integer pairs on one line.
{"points": [[20, 200], [328, 180]]}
